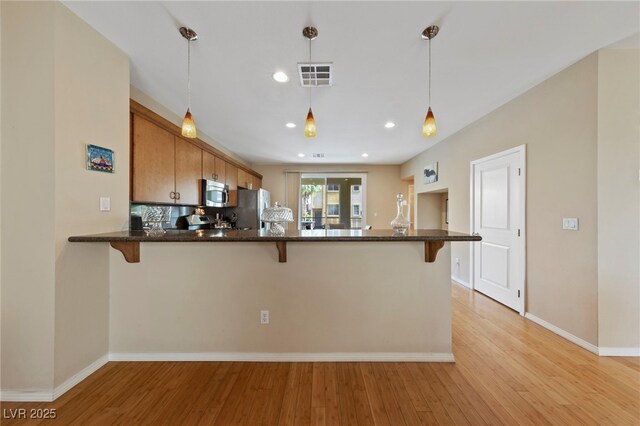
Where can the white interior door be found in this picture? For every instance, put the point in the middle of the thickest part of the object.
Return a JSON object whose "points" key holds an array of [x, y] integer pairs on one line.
{"points": [[498, 215]]}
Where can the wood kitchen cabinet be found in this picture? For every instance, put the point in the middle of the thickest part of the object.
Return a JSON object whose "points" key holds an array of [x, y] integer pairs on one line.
{"points": [[153, 163], [213, 168], [188, 160], [246, 180], [256, 181], [165, 168], [232, 182], [242, 178]]}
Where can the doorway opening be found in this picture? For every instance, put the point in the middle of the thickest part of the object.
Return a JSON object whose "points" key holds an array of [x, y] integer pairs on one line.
{"points": [[433, 210]]}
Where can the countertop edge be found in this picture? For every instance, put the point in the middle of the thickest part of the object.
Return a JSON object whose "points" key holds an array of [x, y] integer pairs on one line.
{"points": [[194, 236]]}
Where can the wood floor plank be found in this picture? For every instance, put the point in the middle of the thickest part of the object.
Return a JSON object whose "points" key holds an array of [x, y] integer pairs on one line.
{"points": [[290, 398], [346, 404], [332, 414], [508, 371], [303, 404], [376, 402]]}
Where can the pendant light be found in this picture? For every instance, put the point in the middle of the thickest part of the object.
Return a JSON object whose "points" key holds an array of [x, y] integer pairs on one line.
{"points": [[429, 126], [310, 125], [188, 125]]}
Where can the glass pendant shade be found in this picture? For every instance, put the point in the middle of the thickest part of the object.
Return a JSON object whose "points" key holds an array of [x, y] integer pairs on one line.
{"points": [[310, 126], [429, 126], [188, 126]]}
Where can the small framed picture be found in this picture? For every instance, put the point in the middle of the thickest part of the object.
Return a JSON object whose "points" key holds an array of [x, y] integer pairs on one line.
{"points": [[431, 173], [100, 159]]}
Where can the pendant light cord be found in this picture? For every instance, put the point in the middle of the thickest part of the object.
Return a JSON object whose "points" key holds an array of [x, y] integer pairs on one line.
{"points": [[188, 74], [430, 72], [309, 72]]}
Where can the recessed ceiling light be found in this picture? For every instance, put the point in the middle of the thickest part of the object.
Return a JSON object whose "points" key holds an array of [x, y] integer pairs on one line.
{"points": [[300, 155], [365, 155], [390, 125], [280, 77], [290, 125]]}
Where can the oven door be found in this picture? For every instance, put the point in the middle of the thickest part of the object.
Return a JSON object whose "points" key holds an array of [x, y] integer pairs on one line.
{"points": [[215, 194]]}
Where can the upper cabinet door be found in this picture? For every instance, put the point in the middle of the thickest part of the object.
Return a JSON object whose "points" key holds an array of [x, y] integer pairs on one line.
{"points": [[152, 163], [221, 170], [257, 182], [188, 172], [242, 179], [213, 168], [209, 171], [232, 182]]}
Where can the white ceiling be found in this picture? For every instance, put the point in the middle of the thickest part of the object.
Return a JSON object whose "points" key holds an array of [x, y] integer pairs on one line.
{"points": [[486, 54]]}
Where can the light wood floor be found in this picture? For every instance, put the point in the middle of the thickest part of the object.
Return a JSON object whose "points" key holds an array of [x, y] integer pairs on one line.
{"points": [[508, 371]]}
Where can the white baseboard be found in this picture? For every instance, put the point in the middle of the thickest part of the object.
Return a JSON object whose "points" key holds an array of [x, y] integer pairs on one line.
{"points": [[285, 357], [459, 281], [26, 396], [603, 351], [560, 332], [79, 376], [48, 396]]}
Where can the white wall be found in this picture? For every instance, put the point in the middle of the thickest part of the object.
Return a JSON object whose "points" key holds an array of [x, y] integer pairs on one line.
{"points": [[557, 120], [64, 86], [618, 198]]}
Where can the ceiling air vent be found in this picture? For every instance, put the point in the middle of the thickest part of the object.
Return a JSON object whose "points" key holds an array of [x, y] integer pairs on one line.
{"points": [[315, 75], [318, 155]]}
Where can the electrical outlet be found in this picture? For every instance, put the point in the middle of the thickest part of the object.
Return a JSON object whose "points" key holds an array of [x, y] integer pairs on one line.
{"points": [[458, 262], [264, 317]]}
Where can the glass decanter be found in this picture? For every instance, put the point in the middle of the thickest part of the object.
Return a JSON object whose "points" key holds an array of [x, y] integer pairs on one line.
{"points": [[400, 224]]}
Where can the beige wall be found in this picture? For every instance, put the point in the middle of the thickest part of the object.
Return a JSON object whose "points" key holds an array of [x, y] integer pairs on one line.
{"points": [[64, 86], [321, 300], [144, 99], [557, 120], [383, 184], [618, 198], [429, 209], [91, 107], [28, 252]]}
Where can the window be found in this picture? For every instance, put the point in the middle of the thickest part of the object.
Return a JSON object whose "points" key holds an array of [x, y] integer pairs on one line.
{"points": [[333, 209], [332, 198]]}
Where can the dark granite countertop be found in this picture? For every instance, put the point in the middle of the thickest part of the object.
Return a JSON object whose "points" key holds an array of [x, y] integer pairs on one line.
{"points": [[258, 236]]}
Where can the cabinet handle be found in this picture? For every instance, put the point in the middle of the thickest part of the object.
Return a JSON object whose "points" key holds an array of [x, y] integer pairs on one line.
{"points": [[172, 195], [177, 195]]}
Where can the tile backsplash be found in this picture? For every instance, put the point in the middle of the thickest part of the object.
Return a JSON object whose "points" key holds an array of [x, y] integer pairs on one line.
{"points": [[135, 212]]}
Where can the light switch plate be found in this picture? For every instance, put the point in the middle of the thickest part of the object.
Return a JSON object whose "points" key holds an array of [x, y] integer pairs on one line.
{"points": [[105, 204], [570, 223]]}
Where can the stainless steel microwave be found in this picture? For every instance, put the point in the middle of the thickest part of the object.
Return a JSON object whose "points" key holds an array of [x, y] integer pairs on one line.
{"points": [[215, 194]]}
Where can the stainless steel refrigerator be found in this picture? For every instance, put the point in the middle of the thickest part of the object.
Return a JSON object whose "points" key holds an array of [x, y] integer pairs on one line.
{"points": [[251, 202]]}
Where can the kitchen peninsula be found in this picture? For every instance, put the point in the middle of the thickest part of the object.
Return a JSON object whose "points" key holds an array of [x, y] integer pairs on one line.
{"points": [[341, 295]]}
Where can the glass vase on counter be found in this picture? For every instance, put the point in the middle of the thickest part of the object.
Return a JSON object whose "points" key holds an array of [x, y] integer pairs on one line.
{"points": [[152, 218], [400, 224]]}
